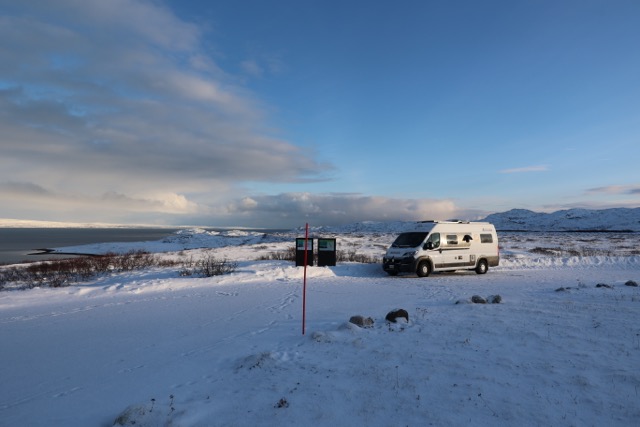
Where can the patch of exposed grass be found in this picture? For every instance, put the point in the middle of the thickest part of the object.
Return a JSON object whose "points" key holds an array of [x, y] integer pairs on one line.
{"points": [[65, 272]]}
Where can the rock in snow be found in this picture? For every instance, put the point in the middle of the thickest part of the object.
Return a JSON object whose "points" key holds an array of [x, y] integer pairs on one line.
{"points": [[399, 313]]}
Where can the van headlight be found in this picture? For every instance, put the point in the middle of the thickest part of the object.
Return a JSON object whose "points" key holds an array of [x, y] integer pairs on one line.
{"points": [[411, 254]]}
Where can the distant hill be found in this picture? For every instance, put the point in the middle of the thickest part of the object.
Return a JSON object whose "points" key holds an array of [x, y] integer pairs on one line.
{"points": [[617, 219]]}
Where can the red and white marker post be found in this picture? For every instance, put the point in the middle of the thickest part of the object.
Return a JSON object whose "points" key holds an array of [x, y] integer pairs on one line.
{"points": [[304, 280]]}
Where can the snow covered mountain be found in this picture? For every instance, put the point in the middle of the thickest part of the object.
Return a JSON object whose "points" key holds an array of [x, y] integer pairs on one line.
{"points": [[617, 219]]}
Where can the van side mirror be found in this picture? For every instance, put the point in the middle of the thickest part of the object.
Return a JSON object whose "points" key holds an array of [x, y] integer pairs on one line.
{"points": [[428, 245]]}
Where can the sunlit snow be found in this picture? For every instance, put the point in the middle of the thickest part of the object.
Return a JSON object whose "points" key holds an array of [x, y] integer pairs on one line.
{"points": [[158, 349]]}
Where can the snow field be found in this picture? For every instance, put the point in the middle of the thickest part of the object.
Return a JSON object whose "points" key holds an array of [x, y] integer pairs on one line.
{"points": [[229, 350]]}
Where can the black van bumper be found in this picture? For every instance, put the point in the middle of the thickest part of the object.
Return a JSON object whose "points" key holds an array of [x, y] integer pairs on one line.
{"points": [[399, 265]]}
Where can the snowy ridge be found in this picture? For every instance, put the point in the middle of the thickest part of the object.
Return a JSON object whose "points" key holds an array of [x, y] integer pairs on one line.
{"points": [[615, 219], [364, 227], [618, 219], [201, 238], [181, 240]]}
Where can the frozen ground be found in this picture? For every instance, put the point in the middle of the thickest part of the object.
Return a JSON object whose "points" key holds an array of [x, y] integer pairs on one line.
{"points": [[158, 349]]}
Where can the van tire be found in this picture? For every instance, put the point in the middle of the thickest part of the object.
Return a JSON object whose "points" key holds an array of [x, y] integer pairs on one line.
{"points": [[424, 269], [392, 273], [482, 267]]}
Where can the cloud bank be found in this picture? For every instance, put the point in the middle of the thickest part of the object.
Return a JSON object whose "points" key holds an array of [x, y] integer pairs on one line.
{"points": [[616, 189], [294, 209], [117, 106]]}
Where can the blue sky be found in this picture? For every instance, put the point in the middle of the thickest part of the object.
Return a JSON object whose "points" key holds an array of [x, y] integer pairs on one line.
{"points": [[276, 113]]}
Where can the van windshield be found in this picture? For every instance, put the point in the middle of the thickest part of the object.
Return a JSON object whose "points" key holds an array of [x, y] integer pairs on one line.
{"points": [[409, 240]]}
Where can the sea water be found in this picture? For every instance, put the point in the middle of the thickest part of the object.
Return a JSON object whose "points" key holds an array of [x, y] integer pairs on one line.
{"points": [[16, 244]]}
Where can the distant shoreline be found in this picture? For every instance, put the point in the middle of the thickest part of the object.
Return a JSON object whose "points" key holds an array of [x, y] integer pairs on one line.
{"points": [[18, 223], [48, 251]]}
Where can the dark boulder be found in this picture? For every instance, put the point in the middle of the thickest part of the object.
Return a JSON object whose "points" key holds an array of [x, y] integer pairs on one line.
{"points": [[395, 314], [495, 299], [477, 299], [363, 322]]}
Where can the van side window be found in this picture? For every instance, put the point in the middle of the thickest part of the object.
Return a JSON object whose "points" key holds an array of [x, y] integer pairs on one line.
{"points": [[486, 238], [452, 239], [435, 240]]}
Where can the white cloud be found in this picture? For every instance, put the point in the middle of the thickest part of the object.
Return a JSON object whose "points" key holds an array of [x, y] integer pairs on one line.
{"points": [[292, 209], [25, 200], [615, 189], [537, 168], [552, 207], [121, 98], [248, 203]]}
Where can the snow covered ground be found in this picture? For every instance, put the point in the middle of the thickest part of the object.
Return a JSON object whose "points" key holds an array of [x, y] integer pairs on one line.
{"points": [[158, 349]]}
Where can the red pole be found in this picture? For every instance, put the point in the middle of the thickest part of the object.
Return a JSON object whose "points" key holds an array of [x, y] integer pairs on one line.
{"points": [[304, 281]]}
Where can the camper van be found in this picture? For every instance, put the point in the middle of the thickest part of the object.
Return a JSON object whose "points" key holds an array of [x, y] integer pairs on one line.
{"points": [[443, 246]]}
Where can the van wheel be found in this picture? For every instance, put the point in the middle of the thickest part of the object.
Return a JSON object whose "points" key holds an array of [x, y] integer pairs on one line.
{"points": [[482, 267], [392, 273], [424, 269]]}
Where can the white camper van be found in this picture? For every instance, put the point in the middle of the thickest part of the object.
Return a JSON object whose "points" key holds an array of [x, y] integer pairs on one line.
{"points": [[444, 246]]}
